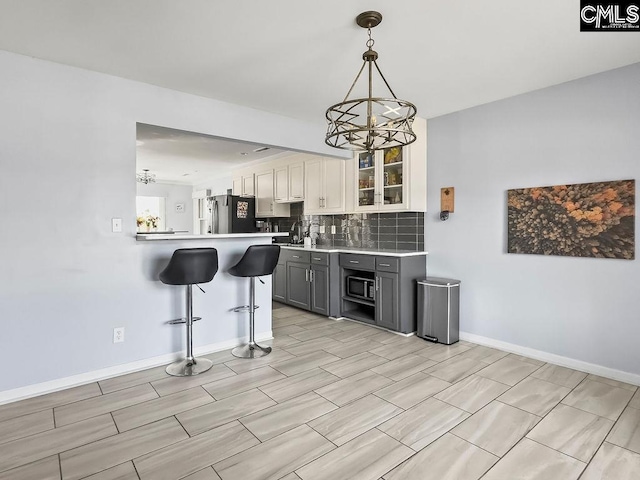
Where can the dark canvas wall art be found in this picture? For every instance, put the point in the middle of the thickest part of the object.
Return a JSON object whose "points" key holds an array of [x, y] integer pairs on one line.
{"points": [[580, 220]]}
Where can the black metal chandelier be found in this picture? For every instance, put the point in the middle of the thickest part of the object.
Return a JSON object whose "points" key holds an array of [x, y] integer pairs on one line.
{"points": [[372, 123]]}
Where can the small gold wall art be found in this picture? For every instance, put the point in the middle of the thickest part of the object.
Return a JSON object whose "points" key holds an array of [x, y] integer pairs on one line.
{"points": [[446, 202], [579, 220], [447, 196]]}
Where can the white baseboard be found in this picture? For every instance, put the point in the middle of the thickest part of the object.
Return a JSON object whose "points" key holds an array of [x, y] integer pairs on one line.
{"points": [[552, 358], [341, 319], [29, 391]]}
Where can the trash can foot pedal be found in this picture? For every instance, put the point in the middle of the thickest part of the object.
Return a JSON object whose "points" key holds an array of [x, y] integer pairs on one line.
{"points": [[430, 339]]}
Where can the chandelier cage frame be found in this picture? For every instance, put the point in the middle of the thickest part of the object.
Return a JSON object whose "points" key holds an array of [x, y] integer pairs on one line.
{"points": [[350, 129]]}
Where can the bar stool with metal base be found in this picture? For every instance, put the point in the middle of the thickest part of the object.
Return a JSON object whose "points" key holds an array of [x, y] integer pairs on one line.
{"points": [[190, 266], [257, 261]]}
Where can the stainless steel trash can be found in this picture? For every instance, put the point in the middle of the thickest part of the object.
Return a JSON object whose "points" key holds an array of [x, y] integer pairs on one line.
{"points": [[439, 309]]}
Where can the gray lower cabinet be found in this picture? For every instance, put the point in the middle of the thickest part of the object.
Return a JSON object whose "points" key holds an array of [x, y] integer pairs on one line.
{"points": [[319, 289], [280, 282], [308, 287], [394, 305], [298, 291], [387, 300], [303, 279]]}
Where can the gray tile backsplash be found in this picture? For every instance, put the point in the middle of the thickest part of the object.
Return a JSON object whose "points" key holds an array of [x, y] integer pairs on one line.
{"points": [[402, 231]]}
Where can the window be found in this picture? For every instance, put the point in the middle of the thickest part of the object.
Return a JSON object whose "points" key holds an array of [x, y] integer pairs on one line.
{"points": [[150, 213]]}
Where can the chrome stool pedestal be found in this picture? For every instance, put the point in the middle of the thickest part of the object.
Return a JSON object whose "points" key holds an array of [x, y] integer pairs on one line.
{"points": [[257, 261], [252, 349], [190, 365], [189, 267]]}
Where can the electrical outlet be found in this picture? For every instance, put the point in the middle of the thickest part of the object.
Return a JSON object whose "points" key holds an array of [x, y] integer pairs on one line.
{"points": [[333, 229], [116, 225], [321, 228], [118, 334]]}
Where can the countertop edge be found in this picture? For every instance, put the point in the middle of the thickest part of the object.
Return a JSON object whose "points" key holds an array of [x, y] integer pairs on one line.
{"points": [[387, 253], [141, 237]]}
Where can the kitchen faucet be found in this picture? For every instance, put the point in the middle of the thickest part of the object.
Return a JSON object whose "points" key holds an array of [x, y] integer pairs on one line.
{"points": [[297, 227]]}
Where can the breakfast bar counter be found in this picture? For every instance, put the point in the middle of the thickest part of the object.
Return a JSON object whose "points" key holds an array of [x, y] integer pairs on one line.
{"points": [[147, 237], [221, 327]]}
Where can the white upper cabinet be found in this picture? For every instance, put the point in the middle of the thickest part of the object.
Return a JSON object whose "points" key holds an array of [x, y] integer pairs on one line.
{"points": [[324, 186], [243, 185], [296, 182], [248, 185], [393, 179], [236, 187], [289, 183], [334, 185], [281, 184], [266, 205], [313, 186]]}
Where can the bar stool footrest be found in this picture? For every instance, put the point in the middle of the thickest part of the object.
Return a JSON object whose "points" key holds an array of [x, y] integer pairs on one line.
{"points": [[245, 308], [179, 321]]}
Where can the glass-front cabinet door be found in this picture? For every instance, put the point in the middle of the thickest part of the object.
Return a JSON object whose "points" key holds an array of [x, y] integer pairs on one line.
{"points": [[392, 178], [367, 182], [381, 180]]}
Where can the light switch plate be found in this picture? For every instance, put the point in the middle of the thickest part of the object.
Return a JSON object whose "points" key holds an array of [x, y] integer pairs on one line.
{"points": [[116, 225]]}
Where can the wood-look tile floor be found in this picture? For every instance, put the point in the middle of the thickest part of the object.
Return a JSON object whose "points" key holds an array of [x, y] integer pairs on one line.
{"points": [[336, 401]]}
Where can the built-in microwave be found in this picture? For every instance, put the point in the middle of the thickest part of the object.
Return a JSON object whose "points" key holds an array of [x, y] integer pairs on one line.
{"points": [[363, 288]]}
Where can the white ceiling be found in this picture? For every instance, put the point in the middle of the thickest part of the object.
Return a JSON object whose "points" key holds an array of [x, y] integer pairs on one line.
{"points": [[176, 156], [297, 57]]}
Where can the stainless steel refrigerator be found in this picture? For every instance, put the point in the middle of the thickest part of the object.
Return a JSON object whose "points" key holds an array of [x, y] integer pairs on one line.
{"points": [[230, 214]]}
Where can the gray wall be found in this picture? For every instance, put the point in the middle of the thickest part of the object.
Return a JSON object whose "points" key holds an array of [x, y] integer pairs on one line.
{"points": [[582, 131], [218, 186], [67, 166]]}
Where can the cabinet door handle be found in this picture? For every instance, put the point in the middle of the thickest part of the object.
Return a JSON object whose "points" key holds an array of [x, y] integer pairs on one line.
{"points": [[354, 261], [306, 275], [384, 264], [295, 256], [317, 258], [377, 284], [311, 276]]}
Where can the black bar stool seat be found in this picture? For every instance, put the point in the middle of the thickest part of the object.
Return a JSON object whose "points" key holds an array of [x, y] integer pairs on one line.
{"points": [[188, 267], [257, 261]]}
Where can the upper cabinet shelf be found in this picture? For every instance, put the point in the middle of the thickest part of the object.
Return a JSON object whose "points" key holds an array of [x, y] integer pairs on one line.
{"points": [[393, 179]]}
